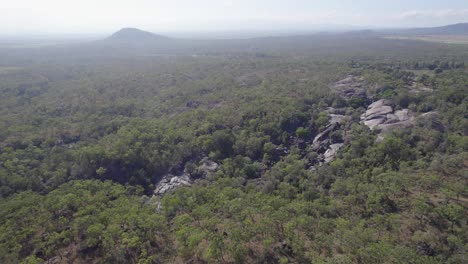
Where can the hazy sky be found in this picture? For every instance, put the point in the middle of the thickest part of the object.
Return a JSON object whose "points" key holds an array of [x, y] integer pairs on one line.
{"points": [[103, 16]]}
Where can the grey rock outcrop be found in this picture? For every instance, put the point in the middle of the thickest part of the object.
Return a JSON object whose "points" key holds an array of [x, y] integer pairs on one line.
{"points": [[380, 116], [331, 152], [325, 135], [170, 182], [153, 200], [349, 87], [325, 145], [207, 167], [334, 118]]}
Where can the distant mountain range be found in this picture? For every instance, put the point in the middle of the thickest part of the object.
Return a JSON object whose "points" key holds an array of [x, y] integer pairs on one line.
{"points": [[455, 29], [135, 35]]}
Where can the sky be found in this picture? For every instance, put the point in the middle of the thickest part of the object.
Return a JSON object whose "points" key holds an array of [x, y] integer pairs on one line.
{"points": [[105, 16]]}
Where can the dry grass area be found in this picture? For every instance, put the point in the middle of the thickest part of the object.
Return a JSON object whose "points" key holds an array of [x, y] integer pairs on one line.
{"points": [[7, 70], [449, 39]]}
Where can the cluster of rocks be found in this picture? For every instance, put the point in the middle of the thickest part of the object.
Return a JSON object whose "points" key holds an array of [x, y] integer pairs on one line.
{"points": [[381, 117], [331, 152], [171, 181], [351, 86], [326, 144]]}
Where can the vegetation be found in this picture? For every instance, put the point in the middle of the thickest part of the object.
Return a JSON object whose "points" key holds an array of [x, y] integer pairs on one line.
{"points": [[85, 138]]}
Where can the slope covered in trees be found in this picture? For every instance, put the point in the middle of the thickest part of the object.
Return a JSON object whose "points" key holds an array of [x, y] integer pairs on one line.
{"points": [[84, 140]]}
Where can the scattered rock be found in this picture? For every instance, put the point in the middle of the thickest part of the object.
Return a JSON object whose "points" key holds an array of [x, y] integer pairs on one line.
{"points": [[206, 168], [418, 88], [192, 104], [169, 182], [55, 260], [281, 151], [425, 249], [331, 152]]}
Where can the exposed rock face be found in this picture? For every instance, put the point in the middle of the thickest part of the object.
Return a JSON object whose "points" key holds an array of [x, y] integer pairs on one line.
{"points": [[380, 116], [380, 103], [337, 118], [373, 123], [403, 114], [325, 145], [207, 167], [331, 152], [350, 86], [170, 182], [55, 260], [326, 133], [377, 111]]}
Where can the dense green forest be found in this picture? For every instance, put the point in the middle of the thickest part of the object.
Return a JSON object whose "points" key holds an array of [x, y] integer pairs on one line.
{"points": [[87, 133]]}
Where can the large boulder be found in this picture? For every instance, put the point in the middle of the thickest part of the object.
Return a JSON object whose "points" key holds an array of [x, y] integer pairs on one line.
{"points": [[403, 115], [378, 110], [380, 116], [373, 123], [380, 103], [387, 127]]}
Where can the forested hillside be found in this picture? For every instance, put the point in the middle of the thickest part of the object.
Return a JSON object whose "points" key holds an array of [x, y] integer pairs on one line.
{"points": [[326, 149]]}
